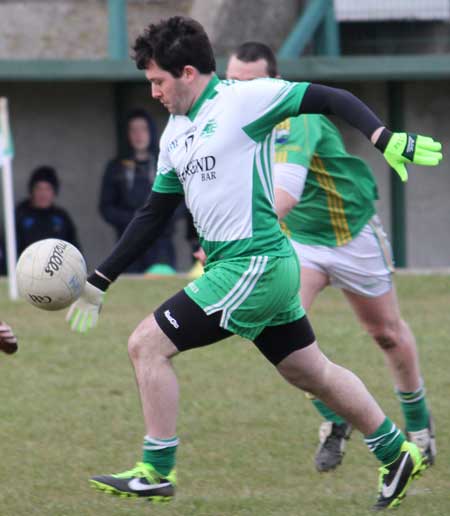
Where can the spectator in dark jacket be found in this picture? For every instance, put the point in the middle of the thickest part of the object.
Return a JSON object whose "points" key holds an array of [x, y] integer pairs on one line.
{"points": [[126, 184], [38, 216]]}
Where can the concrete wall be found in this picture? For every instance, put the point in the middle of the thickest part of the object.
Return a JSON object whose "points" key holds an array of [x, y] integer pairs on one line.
{"points": [[53, 29], [72, 29], [427, 110], [77, 29], [230, 22]]}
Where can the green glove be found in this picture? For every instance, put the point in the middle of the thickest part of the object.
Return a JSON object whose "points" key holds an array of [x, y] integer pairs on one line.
{"points": [[411, 148]]}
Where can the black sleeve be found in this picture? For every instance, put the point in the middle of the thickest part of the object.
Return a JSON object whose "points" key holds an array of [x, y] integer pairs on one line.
{"points": [[142, 231], [333, 101]]}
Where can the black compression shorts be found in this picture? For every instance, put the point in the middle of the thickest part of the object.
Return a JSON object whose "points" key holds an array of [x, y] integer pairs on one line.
{"points": [[188, 327]]}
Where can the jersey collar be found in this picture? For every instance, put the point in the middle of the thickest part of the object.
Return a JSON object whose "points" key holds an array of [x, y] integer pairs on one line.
{"points": [[208, 93]]}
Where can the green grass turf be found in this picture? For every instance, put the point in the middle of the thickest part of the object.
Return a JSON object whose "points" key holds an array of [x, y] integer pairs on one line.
{"points": [[69, 409]]}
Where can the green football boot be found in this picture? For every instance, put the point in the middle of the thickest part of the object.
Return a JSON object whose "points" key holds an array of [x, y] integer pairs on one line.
{"points": [[395, 477], [142, 481]]}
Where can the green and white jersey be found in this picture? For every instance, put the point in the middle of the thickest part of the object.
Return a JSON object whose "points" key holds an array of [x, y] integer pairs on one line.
{"points": [[339, 192], [220, 156]]}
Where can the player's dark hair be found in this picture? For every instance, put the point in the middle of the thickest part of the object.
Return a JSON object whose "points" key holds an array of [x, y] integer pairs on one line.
{"points": [[173, 44], [251, 51]]}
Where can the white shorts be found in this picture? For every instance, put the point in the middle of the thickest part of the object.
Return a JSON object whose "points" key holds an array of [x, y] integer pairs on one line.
{"points": [[363, 266]]}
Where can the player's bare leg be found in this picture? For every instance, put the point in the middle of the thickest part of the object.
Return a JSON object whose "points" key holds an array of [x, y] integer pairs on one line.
{"points": [[150, 352], [154, 478], [310, 370], [380, 316], [334, 431]]}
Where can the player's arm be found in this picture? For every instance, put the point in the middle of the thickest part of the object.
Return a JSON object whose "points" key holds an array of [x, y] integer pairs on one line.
{"points": [[143, 230], [289, 180], [296, 140], [145, 227], [398, 148]]}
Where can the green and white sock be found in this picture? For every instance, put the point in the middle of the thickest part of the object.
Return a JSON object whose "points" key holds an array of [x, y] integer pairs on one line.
{"points": [[160, 453], [386, 441], [326, 412], [414, 408]]}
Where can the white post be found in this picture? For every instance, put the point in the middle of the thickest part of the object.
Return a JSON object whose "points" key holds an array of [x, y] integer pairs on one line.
{"points": [[6, 154]]}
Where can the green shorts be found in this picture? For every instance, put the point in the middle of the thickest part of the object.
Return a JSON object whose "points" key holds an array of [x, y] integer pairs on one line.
{"points": [[251, 293]]}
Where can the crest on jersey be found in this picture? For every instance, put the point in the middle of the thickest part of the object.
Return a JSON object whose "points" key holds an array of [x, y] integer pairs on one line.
{"points": [[209, 129], [281, 136], [283, 132]]}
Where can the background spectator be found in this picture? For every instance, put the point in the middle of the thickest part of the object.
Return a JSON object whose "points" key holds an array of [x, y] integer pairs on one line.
{"points": [[38, 216], [126, 184]]}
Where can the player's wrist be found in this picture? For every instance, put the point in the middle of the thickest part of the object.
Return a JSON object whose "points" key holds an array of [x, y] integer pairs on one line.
{"points": [[383, 139], [99, 280]]}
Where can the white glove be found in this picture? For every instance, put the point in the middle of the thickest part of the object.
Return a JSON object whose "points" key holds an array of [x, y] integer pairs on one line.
{"points": [[83, 314]]}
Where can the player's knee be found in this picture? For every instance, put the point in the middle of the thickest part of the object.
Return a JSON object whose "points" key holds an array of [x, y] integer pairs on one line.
{"points": [[386, 335], [141, 344], [310, 379], [134, 346]]}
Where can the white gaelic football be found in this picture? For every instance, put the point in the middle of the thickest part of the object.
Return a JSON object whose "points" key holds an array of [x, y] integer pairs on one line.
{"points": [[51, 274]]}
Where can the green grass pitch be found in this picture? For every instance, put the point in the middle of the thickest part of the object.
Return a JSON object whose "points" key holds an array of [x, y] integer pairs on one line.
{"points": [[69, 409]]}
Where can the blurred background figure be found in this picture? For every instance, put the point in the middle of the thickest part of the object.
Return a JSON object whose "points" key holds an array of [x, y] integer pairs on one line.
{"points": [[2, 257], [126, 184], [8, 341], [38, 216], [198, 255]]}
